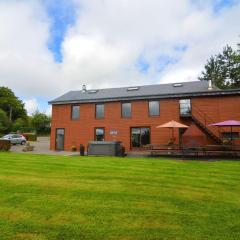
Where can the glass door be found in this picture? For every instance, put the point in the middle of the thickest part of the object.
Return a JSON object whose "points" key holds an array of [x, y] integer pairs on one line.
{"points": [[60, 139], [135, 137], [140, 136]]}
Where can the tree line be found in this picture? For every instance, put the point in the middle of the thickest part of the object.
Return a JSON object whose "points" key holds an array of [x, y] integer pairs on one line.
{"points": [[14, 118]]}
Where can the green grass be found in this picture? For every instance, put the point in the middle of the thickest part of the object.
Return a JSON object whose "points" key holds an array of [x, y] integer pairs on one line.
{"points": [[57, 197]]}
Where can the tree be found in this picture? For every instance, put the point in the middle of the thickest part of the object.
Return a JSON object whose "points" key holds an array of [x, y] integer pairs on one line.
{"points": [[4, 122], [11, 104], [223, 69], [19, 125], [41, 122]]}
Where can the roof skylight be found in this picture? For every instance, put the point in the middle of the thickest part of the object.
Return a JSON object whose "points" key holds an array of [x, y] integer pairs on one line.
{"points": [[92, 91], [133, 89], [177, 84]]}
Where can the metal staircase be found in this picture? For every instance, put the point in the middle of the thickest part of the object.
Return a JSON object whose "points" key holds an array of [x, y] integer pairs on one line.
{"points": [[207, 131], [202, 120]]}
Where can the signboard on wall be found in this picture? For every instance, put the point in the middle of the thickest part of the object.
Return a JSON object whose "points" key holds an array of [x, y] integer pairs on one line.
{"points": [[113, 132]]}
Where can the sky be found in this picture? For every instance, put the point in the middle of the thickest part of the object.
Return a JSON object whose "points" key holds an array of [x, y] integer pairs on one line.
{"points": [[48, 47]]}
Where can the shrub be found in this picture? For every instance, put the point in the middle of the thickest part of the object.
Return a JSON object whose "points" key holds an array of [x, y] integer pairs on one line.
{"points": [[5, 145], [30, 136]]}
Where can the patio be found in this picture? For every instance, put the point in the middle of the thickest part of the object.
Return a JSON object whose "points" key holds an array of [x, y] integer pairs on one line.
{"points": [[222, 151], [226, 149]]}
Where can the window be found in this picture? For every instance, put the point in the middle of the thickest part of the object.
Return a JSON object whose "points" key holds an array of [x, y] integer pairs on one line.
{"points": [[230, 135], [16, 136], [154, 109], [126, 110], [99, 134], [75, 112], [99, 111], [185, 107], [140, 136]]}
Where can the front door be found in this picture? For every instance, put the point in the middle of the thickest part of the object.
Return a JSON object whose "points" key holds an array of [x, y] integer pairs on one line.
{"points": [[60, 139], [140, 136]]}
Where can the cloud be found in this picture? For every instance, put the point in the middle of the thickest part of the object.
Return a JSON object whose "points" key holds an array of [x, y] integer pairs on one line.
{"points": [[31, 105], [107, 45], [49, 111], [26, 64], [63, 15], [110, 43]]}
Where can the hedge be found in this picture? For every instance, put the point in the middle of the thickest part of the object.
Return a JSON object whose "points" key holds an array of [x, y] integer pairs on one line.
{"points": [[30, 136], [5, 145]]}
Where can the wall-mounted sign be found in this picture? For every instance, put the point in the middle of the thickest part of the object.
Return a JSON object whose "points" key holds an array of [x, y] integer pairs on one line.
{"points": [[113, 132]]}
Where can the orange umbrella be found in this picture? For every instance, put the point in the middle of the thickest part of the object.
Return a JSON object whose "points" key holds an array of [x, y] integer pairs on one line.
{"points": [[172, 124]]}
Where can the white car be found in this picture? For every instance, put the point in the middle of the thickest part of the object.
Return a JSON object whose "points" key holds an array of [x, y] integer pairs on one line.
{"points": [[15, 138]]}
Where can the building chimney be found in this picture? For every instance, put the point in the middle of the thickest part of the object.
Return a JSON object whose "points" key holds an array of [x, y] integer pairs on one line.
{"points": [[84, 88], [210, 84]]}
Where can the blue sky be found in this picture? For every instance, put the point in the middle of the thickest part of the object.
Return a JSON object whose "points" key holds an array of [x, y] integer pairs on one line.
{"points": [[63, 14], [220, 4]]}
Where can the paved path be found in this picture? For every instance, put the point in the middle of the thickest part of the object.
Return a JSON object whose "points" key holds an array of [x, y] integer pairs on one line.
{"points": [[41, 146]]}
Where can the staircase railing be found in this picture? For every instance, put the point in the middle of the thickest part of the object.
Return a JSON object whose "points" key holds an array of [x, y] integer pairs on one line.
{"points": [[204, 119]]}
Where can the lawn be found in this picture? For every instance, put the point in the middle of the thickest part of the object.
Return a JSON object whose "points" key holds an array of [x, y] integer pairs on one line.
{"points": [[57, 197]]}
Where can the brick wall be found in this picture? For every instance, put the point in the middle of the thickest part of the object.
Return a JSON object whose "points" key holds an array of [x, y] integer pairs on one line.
{"points": [[82, 131]]}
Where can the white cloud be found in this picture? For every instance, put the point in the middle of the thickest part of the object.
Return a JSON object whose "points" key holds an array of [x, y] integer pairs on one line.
{"points": [[26, 64], [49, 111], [31, 105], [109, 37]]}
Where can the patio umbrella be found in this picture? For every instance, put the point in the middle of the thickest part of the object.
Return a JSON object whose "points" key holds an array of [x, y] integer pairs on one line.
{"points": [[228, 123], [171, 125]]}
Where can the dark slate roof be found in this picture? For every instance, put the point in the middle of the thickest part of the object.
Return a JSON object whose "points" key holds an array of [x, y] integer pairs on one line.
{"points": [[185, 89]]}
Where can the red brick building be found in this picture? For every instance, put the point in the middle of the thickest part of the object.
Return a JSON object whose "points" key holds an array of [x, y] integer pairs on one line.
{"points": [[131, 115]]}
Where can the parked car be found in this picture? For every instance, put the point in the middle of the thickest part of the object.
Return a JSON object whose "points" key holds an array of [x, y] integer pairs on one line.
{"points": [[15, 139]]}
